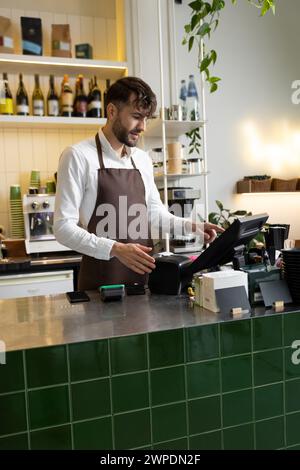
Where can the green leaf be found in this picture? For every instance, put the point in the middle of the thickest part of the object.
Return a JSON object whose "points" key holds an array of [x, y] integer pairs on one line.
{"points": [[195, 20], [220, 205], [213, 87], [213, 56], [196, 5], [204, 29], [205, 63], [214, 79], [187, 28], [191, 42]]}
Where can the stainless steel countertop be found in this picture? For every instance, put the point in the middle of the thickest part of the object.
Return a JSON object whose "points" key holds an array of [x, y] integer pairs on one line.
{"points": [[51, 320]]}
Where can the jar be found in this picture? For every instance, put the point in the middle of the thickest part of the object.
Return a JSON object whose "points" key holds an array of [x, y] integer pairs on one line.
{"points": [[194, 166]]}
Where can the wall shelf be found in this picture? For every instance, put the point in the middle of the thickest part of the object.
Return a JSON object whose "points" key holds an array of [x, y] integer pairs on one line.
{"points": [[43, 65], [179, 175], [33, 122], [174, 129]]}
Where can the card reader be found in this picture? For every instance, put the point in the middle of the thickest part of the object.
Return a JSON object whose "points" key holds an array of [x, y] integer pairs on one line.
{"points": [[112, 292]]}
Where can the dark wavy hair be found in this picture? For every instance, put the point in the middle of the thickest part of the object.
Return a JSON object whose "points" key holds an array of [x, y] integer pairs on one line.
{"points": [[120, 92]]}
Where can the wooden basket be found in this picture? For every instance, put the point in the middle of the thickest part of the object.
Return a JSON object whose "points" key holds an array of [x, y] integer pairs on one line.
{"points": [[298, 185], [284, 185], [254, 186]]}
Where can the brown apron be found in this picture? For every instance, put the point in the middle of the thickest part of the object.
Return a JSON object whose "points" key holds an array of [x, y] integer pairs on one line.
{"points": [[112, 183]]}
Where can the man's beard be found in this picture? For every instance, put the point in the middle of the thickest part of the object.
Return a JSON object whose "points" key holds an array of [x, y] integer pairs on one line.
{"points": [[123, 135]]}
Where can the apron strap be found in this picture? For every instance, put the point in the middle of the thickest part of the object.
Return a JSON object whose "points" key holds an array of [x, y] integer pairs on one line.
{"points": [[132, 162], [99, 151]]}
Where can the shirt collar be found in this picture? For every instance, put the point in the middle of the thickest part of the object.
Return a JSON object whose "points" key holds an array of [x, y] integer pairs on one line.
{"points": [[108, 148]]}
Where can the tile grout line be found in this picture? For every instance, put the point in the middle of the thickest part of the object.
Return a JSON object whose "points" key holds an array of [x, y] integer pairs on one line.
{"points": [[70, 396], [110, 392], [221, 385], [150, 390], [284, 382], [26, 399], [186, 388], [252, 378]]}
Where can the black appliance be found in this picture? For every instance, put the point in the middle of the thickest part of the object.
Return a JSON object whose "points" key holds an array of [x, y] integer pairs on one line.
{"points": [[173, 273]]}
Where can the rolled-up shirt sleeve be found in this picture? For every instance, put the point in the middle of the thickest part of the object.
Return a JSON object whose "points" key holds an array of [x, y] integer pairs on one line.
{"points": [[71, 183]]}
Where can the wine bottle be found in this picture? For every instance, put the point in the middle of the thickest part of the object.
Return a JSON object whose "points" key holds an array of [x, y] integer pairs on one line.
{"points": [[38, 107], [6, 101], [52, 99], [66, 98], [22, 98], [94, 101], [105, 97], [80, 102]]}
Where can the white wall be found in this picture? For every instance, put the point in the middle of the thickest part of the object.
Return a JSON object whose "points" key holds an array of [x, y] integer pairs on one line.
{"points": [[253, 127]]}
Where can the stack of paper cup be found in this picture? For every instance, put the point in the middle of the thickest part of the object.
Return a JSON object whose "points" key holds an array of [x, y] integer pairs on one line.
{"points": [[35, 179], [174, 158], [16, 212]]}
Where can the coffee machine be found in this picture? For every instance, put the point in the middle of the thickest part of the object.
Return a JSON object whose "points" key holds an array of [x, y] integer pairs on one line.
{"points": [[38, 212], [182, 198]]}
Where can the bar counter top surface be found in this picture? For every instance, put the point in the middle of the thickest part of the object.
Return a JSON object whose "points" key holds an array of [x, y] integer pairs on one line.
{"points": [[32, 322]]}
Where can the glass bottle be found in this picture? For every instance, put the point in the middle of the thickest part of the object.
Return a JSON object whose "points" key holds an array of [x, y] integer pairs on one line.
{"points": [[52, 99], [37, 98], [66, 98], [94, 101], [182, 96], [6, 100], [80, 102], [105, 97], [22, 98], [192, 100]]}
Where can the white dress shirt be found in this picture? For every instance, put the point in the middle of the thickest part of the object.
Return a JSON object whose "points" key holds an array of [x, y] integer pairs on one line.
{"points": [[77, 184]]}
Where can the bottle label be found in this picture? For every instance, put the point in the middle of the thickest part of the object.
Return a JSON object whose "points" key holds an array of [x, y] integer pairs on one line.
{"points": [[53, 108], [22, 109], [67, 99], [38, 107], [81, 107], [94, 105], [6, 106]]}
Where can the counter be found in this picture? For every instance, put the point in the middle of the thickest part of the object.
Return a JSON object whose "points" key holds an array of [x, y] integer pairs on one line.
{"points": [[148, 372]]}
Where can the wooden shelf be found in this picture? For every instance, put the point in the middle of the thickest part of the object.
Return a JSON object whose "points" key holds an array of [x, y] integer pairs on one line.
{"points": [[174, 129], [34, 122], [43, 65], [179, 175]]}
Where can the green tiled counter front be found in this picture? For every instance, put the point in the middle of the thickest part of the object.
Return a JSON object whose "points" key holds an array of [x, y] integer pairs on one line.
{"points": [[230, 385]]}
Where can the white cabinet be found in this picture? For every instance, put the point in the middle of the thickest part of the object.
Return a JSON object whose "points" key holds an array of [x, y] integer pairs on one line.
{"points": [[33, 284]]}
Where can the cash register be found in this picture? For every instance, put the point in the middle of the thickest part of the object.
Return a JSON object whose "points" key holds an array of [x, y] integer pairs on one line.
{"points": [[174, 273]]}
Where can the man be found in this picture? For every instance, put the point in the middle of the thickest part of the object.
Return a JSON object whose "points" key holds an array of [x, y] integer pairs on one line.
{"points": [[94, 178]]}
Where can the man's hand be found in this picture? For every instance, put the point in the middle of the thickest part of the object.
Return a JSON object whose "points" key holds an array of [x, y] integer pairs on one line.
{"points": [[207, 230], [134, 256]]}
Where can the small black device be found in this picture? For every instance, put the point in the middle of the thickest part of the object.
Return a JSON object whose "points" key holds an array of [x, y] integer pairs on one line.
{"points": [[77, 296], [135, 289], [112, 292], [174, 273]]}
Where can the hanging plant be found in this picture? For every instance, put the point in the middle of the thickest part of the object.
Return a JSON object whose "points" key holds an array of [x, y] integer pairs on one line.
{"points": [[205, 16]]}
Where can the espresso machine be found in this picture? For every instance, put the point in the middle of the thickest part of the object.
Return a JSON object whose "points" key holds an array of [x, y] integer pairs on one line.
{"points": [[38, 212], [182, 199]]}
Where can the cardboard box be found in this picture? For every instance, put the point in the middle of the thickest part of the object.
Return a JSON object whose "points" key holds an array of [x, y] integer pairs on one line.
{"points": [[83, 51], [220, 280]]}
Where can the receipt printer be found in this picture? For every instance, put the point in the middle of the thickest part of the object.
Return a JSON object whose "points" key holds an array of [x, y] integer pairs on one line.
{"points": [[170, 276]]}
